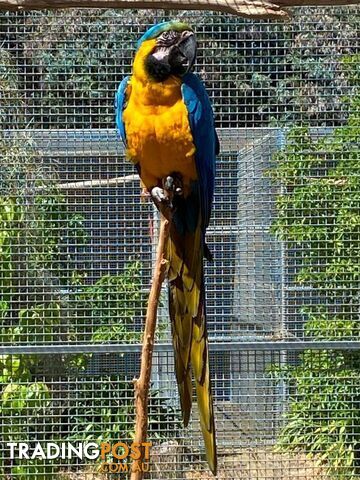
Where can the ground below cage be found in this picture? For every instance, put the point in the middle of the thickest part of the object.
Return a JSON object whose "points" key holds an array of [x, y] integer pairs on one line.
{"points": [[256, 463], [242, 464]]}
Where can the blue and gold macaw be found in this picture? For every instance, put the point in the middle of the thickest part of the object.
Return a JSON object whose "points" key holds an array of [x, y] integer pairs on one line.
{"points": [[165, 120]]}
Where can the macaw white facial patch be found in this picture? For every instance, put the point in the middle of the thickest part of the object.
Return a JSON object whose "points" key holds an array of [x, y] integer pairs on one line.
{"points": [[160, 53]]}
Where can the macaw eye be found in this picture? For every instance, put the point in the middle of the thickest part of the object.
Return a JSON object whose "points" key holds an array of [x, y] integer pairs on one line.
{"points": [[169, 35]]}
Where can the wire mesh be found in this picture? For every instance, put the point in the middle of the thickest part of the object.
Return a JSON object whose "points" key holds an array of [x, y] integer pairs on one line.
{"points": [[77, 246]]}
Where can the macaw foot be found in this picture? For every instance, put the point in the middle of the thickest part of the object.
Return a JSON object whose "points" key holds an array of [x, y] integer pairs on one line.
{"points": [[173, 183], [163, 197], [163, 200]]}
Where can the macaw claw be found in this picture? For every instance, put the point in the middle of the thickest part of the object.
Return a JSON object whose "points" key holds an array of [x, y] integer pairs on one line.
{"points": [[159, 194]]}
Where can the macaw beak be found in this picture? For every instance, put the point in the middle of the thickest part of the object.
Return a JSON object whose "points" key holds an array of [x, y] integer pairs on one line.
{"points": [[187, 45]]}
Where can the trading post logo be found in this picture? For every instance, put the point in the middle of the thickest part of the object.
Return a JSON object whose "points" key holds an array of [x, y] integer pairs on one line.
{"points": [[121, 452], [114, 457]]}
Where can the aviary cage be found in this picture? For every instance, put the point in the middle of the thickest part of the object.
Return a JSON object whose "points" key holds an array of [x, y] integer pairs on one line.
{"points": [[77, 246]]}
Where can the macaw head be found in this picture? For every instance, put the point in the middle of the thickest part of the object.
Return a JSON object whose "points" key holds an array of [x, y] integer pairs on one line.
{"points": [[168, 48]]}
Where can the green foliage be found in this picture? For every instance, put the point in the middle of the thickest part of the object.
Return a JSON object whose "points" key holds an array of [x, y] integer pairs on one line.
{"points": [[10, 98], [102, 312], [22, 409], [35, 229], [319, 221], [260, 73], [112, 304], [324, 412], [86, 58], [310, 92], [109, 417], [59, 305], [50, 301]]}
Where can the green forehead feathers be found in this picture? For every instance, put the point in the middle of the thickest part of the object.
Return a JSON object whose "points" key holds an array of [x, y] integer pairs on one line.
{"points": [[158, 29]]}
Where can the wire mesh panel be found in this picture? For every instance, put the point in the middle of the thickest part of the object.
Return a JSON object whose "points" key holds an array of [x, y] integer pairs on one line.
{"points": [[77, 248], [78, 407]]}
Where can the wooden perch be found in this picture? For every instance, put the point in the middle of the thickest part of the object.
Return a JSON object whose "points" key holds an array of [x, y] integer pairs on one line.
{"points": [[142, 384], [244, 8]]}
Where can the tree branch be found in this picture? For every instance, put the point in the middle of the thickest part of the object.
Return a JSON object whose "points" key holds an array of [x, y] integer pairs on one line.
{"points": [[245, 8], [142, 384]]}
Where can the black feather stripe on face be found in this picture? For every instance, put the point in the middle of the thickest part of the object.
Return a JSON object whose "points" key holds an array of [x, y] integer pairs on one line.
{"points": [[158, 70]]}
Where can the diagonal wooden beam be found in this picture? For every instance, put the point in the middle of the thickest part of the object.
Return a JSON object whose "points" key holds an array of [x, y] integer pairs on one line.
{"points": [[244, 8]]}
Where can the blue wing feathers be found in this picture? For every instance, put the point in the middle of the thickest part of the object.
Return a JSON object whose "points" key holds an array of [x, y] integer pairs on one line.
{"points": [[206, 142], [120, 103]]}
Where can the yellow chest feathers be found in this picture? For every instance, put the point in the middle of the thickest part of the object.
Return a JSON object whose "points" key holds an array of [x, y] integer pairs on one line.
{"points": [[157, 127]]}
